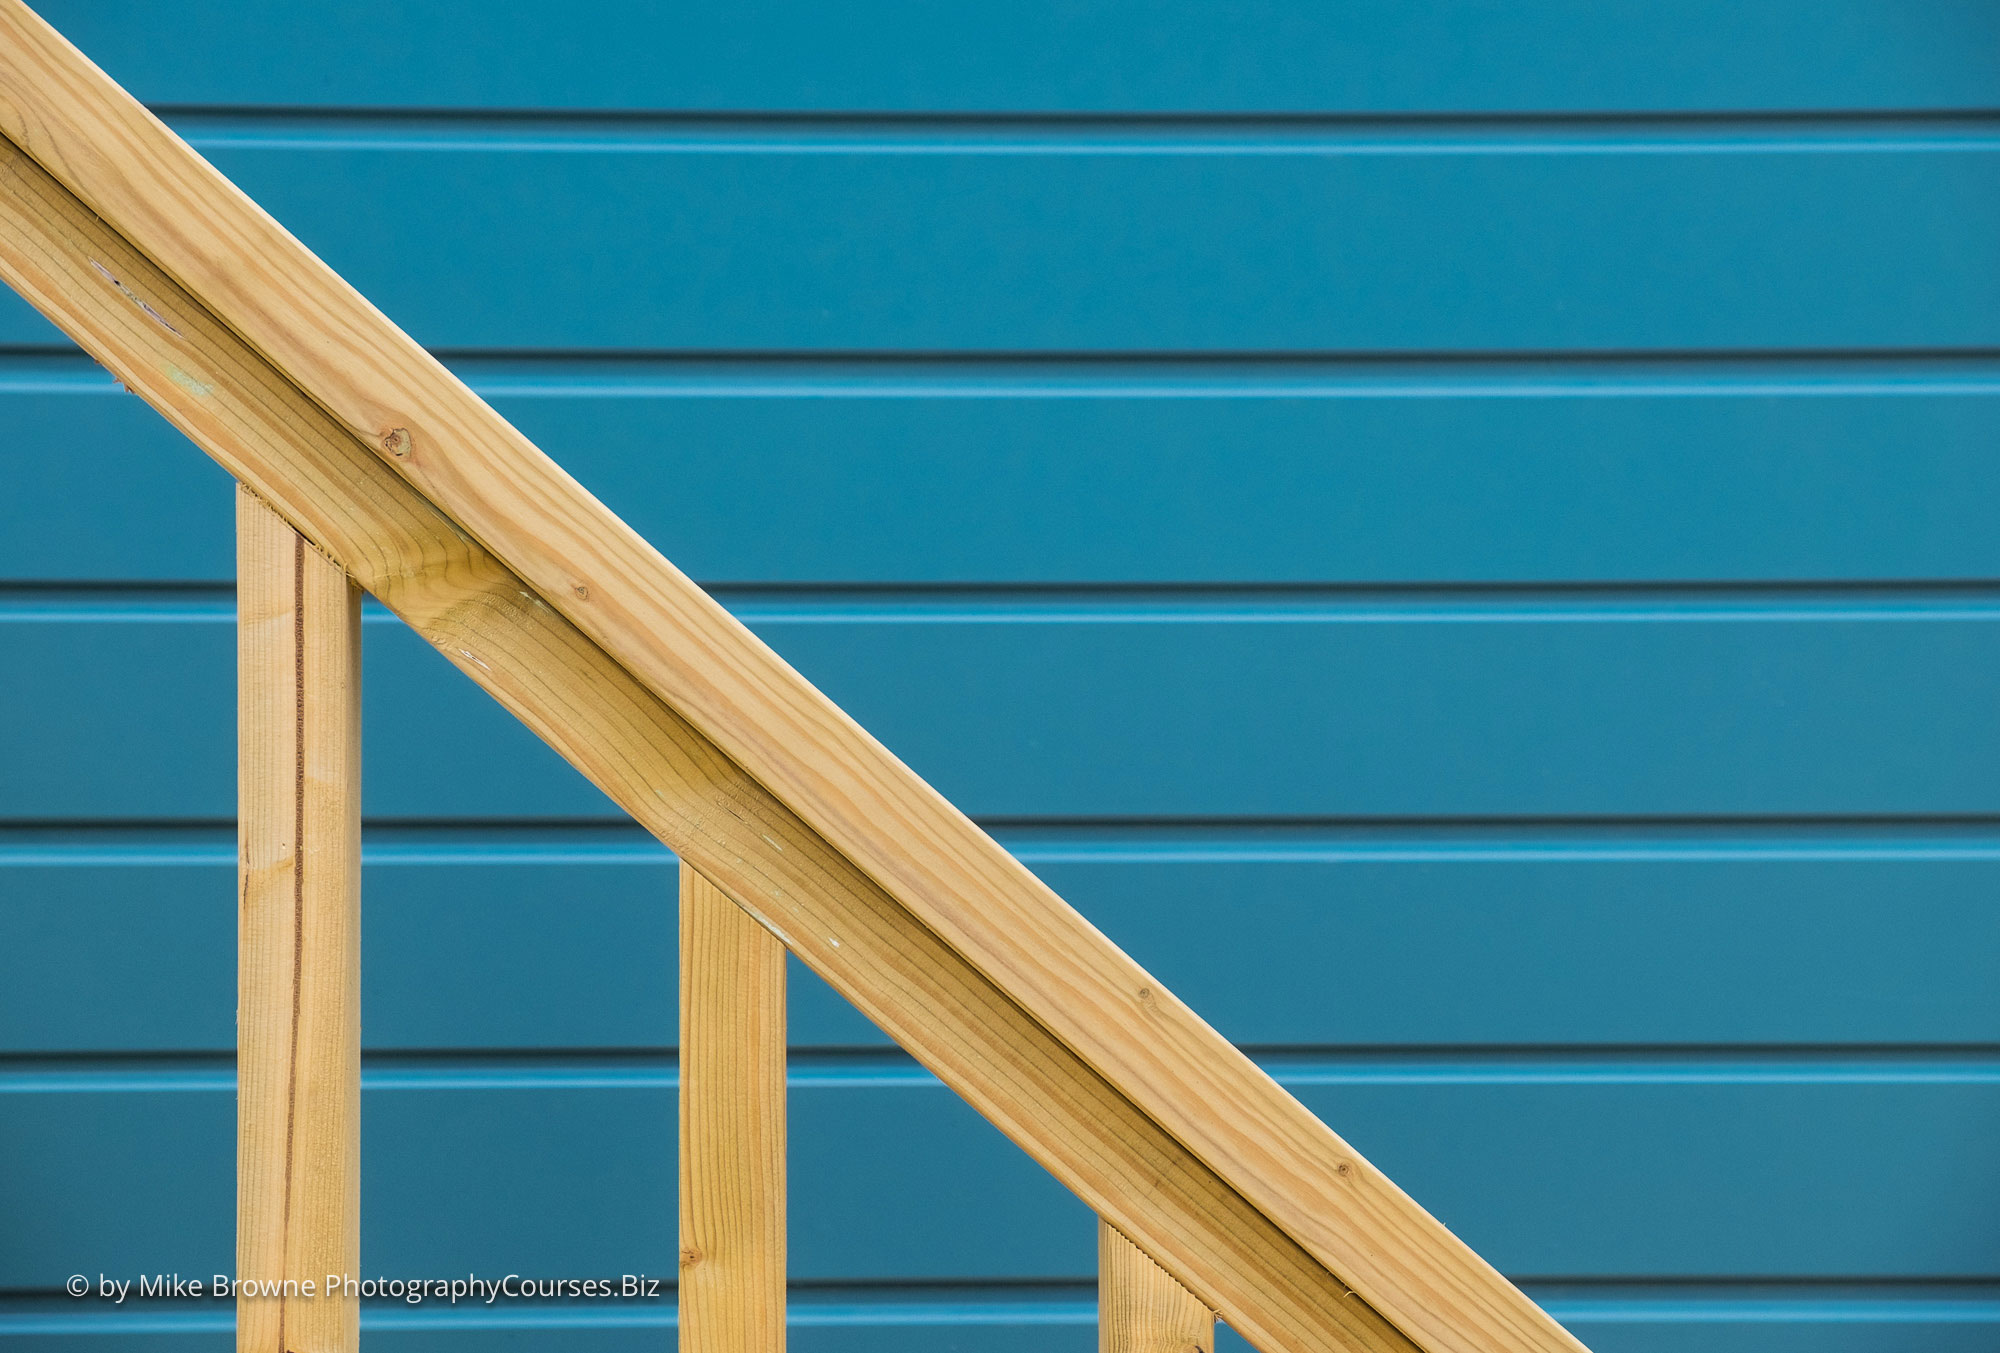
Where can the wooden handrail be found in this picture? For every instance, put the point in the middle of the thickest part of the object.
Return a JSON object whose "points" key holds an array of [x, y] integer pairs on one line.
{"points": [[178, 283]]}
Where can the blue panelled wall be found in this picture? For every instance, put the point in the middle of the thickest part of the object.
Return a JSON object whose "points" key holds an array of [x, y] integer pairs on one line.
{"points": [[1467, 537]]}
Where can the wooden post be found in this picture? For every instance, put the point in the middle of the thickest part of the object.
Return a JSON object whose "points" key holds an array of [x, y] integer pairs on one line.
{"points": [[732, 1268], [1140, 1308], [298, 1013]]}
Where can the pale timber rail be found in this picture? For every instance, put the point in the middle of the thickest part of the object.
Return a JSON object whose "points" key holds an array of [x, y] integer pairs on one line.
{"points": [[362, 458]]}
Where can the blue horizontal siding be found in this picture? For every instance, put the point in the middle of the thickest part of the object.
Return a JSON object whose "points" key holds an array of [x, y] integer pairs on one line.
{"points": [[1509, 937], [1378, 56], [1620, 240], [1553, 1168], [1264, 473], [1827, 1319], [1192, 708], [1821, 1318], [1463, 536], [997, 1321]]}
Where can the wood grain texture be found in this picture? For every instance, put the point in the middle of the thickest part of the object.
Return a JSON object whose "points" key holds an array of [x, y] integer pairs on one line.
{"points": [[1140, 1308], [957, 1021], [298, 1017], [732, 1170], [574, 555]]}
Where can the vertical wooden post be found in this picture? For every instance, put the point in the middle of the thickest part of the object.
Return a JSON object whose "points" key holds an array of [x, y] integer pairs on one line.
{"points": [[732, 1269], [298, 1012], [1140, 1308]]}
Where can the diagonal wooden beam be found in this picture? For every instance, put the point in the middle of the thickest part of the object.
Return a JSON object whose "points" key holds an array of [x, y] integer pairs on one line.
{"points": [[664, 633], [677, 784]]}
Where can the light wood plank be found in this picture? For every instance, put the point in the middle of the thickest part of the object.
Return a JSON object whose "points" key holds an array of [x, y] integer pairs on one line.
{"points": [[1140, 1308], [577, 557], [298, 1014], [732, 1062]]}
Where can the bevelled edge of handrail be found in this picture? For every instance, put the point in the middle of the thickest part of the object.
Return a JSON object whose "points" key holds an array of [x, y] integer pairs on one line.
{"points": [[670, 636]]}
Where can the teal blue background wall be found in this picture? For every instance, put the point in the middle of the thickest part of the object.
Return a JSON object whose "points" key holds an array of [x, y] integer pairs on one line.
{"points": [[1466, 536]]}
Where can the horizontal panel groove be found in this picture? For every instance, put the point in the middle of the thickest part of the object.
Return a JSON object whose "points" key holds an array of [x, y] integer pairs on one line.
{"points": [[511, 372], [1843, 1301], [1717, 133], [1175, 374], [1031, 1303], [1520, 840], [862, 1070], [87, 603], [1338, 374], [1248, 375], [199, 121], [809, 1305], [113, 839], [151, 844], [1003, 1289], [1726, 1323], [1910, 601], [1003, 1292]]}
